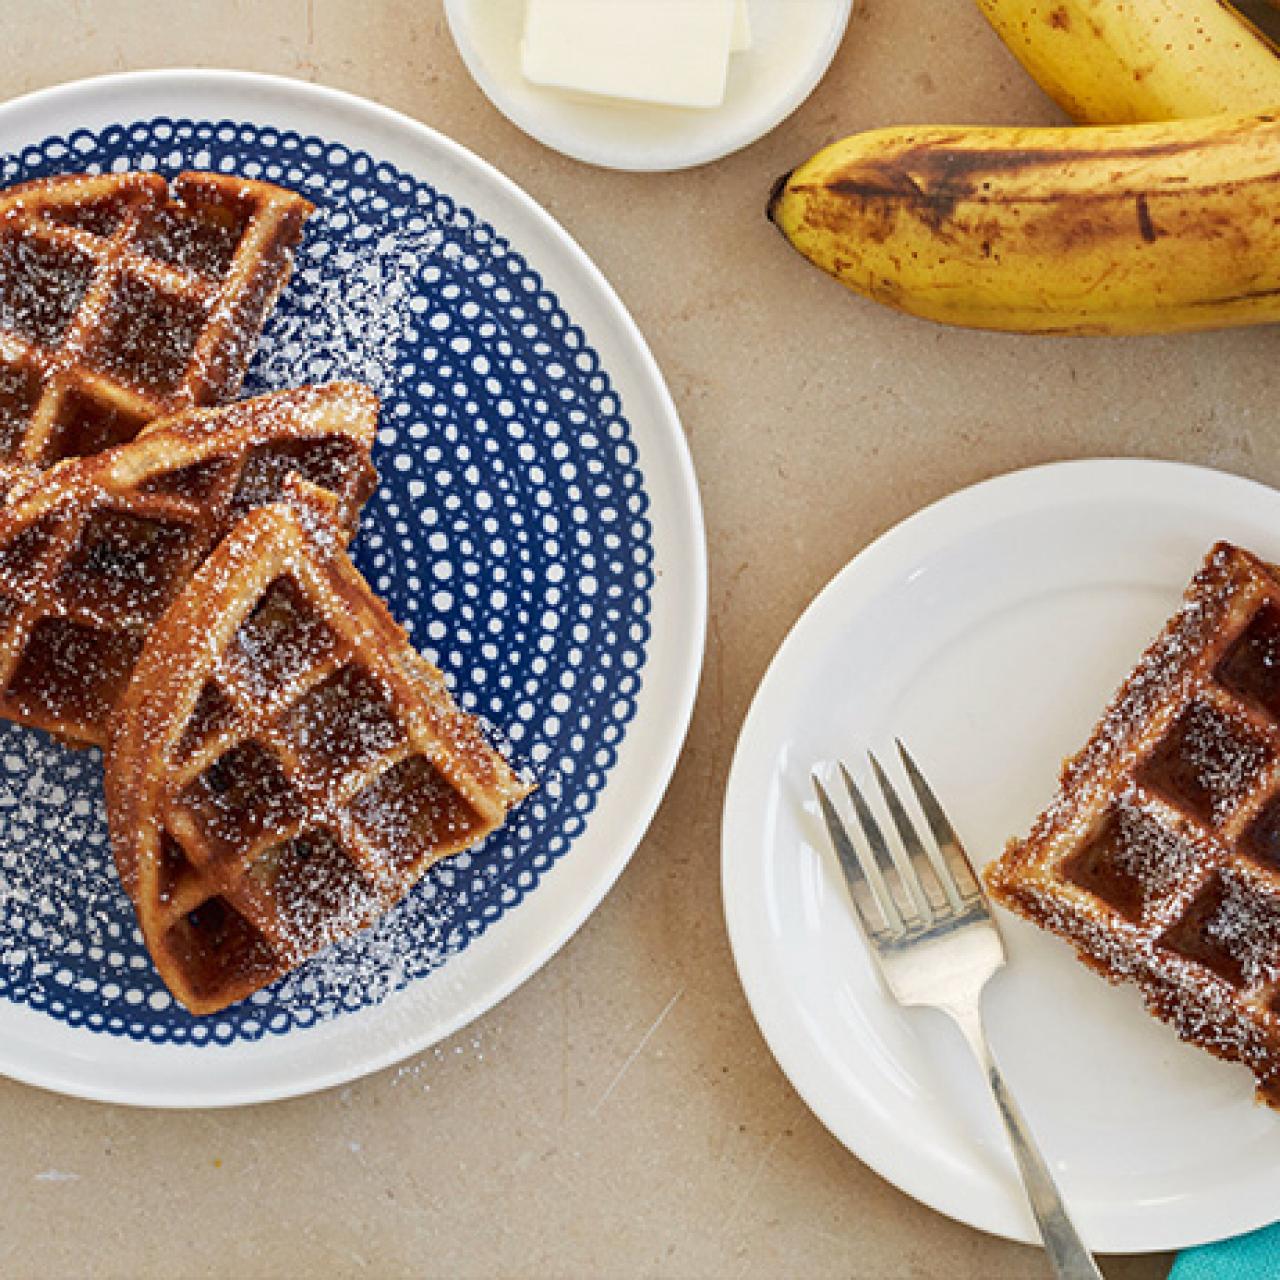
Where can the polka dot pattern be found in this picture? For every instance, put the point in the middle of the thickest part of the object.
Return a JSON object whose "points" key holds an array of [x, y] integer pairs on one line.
{"points": [[509, 534]]}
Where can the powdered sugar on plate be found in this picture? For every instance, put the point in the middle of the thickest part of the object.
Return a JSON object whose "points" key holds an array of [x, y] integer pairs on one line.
{"points": [[353, 302]]}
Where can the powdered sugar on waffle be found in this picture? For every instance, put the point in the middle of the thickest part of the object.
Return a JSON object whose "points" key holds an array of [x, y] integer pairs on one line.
{"points": [[1153, 854], [1222, 756], [1247, 924]]}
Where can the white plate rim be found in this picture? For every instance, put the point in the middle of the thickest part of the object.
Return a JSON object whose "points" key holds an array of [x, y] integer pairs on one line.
{"points": [[576, 147], [866, 1136], [682, 582]]}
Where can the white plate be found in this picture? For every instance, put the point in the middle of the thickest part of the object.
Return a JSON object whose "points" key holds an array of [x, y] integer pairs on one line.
{"points": [[793, 42], [364, 160], [989, 631]]}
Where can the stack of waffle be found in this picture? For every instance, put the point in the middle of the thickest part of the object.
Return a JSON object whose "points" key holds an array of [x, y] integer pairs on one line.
{"points": [[281, 765]]}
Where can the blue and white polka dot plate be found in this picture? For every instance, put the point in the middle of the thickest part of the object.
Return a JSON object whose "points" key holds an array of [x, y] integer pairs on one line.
{"points": [[537, 529]]}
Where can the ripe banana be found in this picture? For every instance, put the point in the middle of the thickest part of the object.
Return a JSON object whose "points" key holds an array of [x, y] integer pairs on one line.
{"points": [[1112, 61], [1142, 228]]}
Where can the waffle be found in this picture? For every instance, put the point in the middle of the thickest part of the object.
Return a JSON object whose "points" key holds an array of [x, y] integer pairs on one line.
{"points": [[120, 303], [1159, 858], [93, 550], [284, 766]]}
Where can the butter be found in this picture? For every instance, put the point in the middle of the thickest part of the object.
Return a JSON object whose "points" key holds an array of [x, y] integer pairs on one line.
{"points": [[672, 52], [740, 40]]}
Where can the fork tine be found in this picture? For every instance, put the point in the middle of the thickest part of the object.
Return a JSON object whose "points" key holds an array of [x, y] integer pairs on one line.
{"points": [[887, 858], [949, 846], [924, 876], [858, 874]]}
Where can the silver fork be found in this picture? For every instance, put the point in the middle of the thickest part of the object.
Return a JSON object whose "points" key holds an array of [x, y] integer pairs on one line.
{"points": [[930, 929]]}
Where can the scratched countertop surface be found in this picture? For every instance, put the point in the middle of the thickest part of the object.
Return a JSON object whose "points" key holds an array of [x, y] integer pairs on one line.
{"points": [[620, 1115]]}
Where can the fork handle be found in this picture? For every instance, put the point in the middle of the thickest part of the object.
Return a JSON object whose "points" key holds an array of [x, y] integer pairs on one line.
{"points": [[1067, 1255]]}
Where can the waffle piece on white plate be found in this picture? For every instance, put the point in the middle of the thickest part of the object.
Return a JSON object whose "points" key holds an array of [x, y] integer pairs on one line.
{"points": [[1159, 858]]}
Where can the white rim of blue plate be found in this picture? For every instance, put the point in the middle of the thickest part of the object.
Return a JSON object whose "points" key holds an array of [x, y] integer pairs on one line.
{"points": [[870, 1125], [39, 1049]]}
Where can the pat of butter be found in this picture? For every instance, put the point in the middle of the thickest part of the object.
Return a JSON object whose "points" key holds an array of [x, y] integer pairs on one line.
{"points": [[674, 52], [740, 40]]}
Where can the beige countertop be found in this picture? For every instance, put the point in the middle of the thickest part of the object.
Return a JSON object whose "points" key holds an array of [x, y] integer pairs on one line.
{"points": [[620, 1115]]}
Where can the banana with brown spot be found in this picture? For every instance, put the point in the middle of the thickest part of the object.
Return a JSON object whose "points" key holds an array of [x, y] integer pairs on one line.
{"points": [[1116, 61], [1143, 228]]}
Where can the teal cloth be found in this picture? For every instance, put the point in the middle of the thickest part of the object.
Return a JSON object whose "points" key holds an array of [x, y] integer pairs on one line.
{"points": [[1252, 1257]]}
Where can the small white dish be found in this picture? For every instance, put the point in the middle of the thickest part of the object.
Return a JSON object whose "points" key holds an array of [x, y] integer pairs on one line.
{"points": [[988, 631], [793, 42]]}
